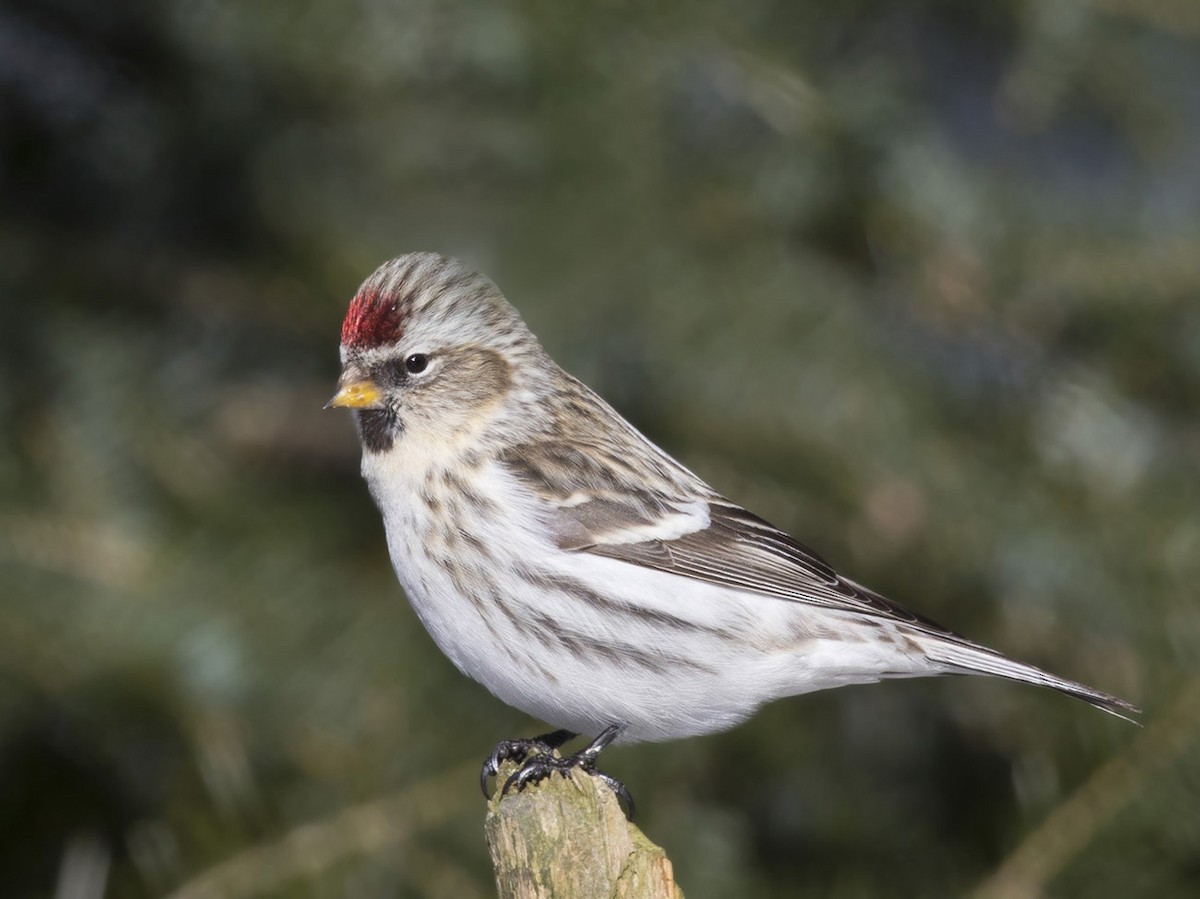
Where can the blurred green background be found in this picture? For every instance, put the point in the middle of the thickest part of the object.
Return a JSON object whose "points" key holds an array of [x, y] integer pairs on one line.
{"points": [[917, 281]]}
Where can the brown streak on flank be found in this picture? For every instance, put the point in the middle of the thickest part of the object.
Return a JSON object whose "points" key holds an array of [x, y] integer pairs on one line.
{"points": [[458, 576], [479, 601], [497, 640], [473, 541], [573, 587], [544, 672], [474, 460], [582, 647], [912, 645], [482, 505]]}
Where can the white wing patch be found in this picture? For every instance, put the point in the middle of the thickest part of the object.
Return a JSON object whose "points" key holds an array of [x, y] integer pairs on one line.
{"points": [[684, 518]]}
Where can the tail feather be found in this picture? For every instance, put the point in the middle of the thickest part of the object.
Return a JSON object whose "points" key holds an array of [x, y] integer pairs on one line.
{"points": [[970, 658]]}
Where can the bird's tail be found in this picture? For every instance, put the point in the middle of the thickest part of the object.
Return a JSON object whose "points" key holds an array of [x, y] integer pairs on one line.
{"points": [[963, 657]]}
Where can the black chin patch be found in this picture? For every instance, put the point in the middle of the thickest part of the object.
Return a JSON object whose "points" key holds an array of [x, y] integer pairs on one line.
{"points": [[378, 429]]}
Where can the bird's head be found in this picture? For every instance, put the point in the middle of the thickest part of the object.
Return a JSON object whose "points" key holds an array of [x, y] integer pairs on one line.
{"points": [[430, 349]]}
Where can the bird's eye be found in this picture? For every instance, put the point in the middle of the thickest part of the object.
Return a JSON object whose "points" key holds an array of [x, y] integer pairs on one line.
{"points": [[416, 363]]}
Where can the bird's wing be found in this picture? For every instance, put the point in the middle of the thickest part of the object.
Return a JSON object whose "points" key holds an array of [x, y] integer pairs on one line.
{"points": [[601, 503], [738, 549], [594, 503]]}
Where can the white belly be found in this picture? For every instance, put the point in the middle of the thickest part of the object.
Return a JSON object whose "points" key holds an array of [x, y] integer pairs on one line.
{"points": [[582, 641]]}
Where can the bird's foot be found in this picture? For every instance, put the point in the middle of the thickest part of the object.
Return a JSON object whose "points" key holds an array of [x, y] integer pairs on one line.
{"points": [[518, 751], [538, 767]]}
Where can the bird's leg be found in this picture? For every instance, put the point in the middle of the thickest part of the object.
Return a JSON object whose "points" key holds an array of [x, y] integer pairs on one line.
{"points": [[541, 766], [519, 750]]}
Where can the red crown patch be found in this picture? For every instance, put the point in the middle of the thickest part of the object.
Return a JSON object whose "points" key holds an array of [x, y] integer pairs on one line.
{"points": [[372, 320]]}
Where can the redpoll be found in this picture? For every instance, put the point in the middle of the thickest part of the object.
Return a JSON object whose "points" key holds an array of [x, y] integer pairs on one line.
{"points": [[575, 569]]}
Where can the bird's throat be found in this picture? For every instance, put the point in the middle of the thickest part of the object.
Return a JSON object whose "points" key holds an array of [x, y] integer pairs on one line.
{"points": [[378, 429]]}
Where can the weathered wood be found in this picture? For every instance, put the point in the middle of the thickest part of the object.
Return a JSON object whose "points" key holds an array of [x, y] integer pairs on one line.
{"points": [[567, 838]]}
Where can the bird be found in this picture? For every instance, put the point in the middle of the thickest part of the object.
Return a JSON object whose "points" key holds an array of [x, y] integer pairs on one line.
{"points": [[579, 572]]}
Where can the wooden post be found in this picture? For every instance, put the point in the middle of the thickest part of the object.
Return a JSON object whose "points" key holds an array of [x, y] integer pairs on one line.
{"points": [[567, 838]]}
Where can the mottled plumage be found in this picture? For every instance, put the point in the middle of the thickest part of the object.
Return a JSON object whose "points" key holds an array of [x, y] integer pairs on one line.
{"points": [[570, 565]]}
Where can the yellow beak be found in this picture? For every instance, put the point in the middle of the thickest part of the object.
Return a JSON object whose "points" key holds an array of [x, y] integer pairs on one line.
{"points": [[356, 393]]}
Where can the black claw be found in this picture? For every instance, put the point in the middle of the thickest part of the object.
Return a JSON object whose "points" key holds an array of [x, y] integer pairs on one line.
{"points": [[517, 750], [622, 792], [541, 762], [536, 770]]}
